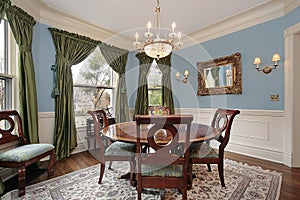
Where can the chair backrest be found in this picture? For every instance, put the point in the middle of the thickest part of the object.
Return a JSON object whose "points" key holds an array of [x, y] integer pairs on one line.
{"points": [[11, 127], [222, 120], [163, 137], [100, 121]]}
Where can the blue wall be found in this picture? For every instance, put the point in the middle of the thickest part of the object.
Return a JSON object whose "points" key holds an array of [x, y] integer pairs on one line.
{"points": [[262, 40], [44, 57]]}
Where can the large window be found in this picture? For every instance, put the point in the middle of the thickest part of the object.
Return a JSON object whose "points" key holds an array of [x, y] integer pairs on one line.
{"points": [[154, 85], [93, 86], [5, 68]]}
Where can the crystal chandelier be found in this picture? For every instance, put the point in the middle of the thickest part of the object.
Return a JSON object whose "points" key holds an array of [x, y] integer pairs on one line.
{"points": [[158, 47]]}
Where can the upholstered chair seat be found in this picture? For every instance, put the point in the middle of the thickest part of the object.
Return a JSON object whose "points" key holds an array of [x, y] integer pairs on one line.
{"points": [[121, 149], [162, 171], [202, 150], [25, 152]]}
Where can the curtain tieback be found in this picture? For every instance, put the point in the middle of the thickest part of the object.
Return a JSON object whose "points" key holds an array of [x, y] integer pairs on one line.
{"points": [[24, 48], [64, 60]]}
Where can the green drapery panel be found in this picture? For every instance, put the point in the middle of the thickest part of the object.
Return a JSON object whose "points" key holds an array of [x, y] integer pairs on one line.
{"points": [[164, 64], [21, 25], [4, 5], [117, 59], [141, 103], [71, 49]]}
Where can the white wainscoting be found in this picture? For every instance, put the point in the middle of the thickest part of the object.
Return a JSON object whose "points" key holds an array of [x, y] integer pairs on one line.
{"points": [[257, 133]]}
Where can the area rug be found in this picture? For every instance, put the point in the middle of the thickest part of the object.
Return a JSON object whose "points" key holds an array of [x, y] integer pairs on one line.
{"points": [[242, 182]]}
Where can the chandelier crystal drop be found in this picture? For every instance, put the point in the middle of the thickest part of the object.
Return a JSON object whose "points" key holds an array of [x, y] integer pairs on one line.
{"points": [[158, 47]]}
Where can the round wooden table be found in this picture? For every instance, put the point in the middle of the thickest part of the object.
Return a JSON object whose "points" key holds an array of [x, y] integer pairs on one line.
{"points": [[126, 132]]}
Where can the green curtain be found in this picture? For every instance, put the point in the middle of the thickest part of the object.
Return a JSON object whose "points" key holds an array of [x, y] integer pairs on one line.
{"points": [[117, 59], [4, 5], [21, 25], [71, 49], [164, 64], [141, 103]]}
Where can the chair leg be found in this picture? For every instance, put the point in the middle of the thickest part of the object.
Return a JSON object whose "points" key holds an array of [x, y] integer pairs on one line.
{"points": [[139, 187], [21, 180], [102, 168], [162, 194], [190, 176], [221, 173], [132, 173], [110, 164], [51, 164], [184, 193], [209, 168]]}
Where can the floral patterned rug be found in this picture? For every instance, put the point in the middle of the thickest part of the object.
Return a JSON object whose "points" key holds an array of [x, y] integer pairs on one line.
{"points": [[242, 182]]}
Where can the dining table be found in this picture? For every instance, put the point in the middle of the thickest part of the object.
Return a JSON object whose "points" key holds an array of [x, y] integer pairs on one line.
{"points": [[127, 132]]}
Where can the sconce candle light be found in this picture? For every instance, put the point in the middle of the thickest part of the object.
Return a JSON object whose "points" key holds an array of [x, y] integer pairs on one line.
{"points": [[267, 69], [185, 79]]}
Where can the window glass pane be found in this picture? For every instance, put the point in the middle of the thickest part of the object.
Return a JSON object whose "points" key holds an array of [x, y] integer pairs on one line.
{"points": [[154, 85], [94, 70], [92, 81], [155, 96], [154, 76], [2, 48], [2, 94]]}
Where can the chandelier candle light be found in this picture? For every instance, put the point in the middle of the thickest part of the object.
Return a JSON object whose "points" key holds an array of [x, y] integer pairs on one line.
{"points": [[158, 47]]}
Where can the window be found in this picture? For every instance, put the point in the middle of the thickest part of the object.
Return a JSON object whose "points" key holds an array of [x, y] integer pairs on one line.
{"points": [[6, 84], [93, 86], [154, 85]]}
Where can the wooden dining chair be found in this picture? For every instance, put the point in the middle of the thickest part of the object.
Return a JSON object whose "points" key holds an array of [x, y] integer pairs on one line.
{"points": [[163, 167], [116, 151], [22, 154], [203, 153]]}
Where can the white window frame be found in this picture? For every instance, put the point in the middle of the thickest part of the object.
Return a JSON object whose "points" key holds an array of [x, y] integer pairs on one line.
{"points": [[12, 52]]}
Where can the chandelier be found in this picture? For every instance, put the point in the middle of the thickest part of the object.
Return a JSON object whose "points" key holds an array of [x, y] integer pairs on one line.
{"points": [[158, 47]]}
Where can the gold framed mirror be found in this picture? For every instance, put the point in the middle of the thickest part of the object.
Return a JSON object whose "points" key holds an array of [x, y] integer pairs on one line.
{"points": [[220, 76]]}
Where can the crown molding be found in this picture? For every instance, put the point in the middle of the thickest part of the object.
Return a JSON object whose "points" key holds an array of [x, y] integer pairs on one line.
{"points": [[271, 10], [263, 13], [54, 18]]}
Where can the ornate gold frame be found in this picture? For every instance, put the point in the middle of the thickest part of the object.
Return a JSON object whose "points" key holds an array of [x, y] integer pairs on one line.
{"points": [[236, 88]]}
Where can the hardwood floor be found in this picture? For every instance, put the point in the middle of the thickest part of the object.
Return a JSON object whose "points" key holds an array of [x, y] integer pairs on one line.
{"points": [[290, 188]]}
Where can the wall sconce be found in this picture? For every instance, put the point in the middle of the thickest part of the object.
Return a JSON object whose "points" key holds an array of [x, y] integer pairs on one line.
{"points": [[267, 69], [185, 79]]}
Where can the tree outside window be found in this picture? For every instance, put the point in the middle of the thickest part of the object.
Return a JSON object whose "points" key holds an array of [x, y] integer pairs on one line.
{"points": [[154, 85], [93, 89]]}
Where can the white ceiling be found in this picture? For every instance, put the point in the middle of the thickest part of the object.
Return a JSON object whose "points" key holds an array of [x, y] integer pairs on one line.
{"points": [[124, 17]]}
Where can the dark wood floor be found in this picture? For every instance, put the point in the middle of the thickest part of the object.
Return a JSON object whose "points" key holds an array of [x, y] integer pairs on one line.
{"points": [[290, 189]]}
